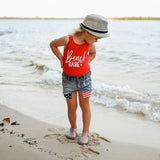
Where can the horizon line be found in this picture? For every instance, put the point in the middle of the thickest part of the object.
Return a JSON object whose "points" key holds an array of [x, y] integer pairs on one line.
{"points": [[78, 18]]}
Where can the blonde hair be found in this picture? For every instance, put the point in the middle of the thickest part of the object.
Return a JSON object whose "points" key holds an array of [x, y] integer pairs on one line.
{"points": [[77, 32]]}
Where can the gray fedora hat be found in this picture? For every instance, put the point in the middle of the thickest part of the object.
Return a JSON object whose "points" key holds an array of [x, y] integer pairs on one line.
{"points": [[96, 24]]}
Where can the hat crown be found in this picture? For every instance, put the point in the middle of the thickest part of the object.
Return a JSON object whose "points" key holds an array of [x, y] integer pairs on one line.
{"points": [[96, 22]]}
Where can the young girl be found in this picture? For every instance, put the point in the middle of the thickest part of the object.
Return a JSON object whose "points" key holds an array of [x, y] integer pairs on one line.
{"points": [[79, 51]]}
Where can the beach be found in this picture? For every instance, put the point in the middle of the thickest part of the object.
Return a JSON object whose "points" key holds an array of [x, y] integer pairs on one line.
{"points": [[33, 139], [125, 100]]}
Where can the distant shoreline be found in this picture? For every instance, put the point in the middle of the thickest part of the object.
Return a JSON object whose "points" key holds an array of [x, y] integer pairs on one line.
{"points": [[54, 18]]}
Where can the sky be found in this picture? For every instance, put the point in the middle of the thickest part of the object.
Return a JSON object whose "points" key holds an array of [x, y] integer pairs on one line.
{"points": [[75, 8]]}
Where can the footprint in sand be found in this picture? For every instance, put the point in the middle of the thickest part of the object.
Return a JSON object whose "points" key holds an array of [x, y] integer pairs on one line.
{"points": [[86, 151], [61, 133]]}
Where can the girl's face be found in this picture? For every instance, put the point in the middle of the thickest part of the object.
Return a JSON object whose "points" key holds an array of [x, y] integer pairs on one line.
{"points": [[89, 38]]}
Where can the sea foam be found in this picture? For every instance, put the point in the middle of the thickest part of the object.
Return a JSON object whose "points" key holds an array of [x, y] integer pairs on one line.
{"points": [[50, 78], [128, 99]]}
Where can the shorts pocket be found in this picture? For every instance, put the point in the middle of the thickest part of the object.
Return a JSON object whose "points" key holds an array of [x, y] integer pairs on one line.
{"points": [[86, 85]]}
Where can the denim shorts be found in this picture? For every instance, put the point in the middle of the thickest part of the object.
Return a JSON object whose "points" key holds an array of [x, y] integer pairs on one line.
{"points": [[76, 83]]}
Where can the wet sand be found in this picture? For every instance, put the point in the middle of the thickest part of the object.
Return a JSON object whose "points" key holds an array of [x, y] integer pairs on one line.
{"points": [[29, 138]]}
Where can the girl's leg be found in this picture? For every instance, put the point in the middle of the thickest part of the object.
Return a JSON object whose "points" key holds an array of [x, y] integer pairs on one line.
{"points": [[72, 107], [86, 113]]}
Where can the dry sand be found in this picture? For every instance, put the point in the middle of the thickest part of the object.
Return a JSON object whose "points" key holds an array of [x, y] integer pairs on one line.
{"points": [[33, 139]]}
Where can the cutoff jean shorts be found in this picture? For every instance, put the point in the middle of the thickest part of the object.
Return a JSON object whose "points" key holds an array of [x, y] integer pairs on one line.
{"points": [[81, 83]]}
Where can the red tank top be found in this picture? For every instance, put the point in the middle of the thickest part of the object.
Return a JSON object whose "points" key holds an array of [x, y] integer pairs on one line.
{"points": [[75, 58]]}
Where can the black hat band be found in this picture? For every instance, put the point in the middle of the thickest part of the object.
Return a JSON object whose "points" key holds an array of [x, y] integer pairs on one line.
{"points": [[93, 29]]}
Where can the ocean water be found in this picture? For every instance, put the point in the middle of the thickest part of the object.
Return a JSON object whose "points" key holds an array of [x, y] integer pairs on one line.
{"points": [[125, 72]]}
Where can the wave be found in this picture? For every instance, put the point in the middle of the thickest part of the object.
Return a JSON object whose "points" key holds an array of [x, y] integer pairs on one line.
{"points": [[50, 78], [127, 99], [115, 96], [115, 59], [8, 31], [38, 66]]}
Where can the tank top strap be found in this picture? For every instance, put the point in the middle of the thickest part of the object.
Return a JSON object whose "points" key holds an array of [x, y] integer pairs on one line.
{"points": [[70, 37]]}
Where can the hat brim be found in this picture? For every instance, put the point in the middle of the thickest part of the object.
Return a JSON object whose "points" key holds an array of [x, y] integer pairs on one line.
{"points": [[101, 35]]}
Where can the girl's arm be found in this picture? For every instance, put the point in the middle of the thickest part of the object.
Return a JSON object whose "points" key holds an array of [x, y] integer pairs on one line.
{"points": [[92, 52], [58, 43]]}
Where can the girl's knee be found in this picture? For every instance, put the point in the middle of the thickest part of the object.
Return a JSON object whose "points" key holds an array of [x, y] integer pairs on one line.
{"points": [[84, 104], [72, 109], [85, 107]]}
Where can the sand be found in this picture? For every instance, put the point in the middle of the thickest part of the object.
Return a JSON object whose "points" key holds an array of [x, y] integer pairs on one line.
{"points": [[32, 139]]}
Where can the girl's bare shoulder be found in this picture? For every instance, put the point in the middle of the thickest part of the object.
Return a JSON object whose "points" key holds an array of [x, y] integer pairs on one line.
{"points": [[62, 41], [65, 39]]}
